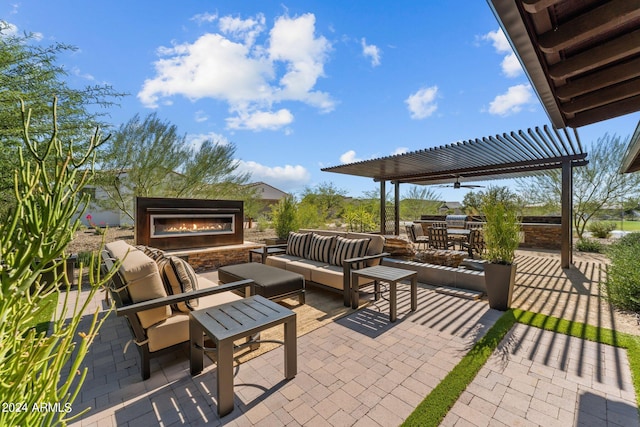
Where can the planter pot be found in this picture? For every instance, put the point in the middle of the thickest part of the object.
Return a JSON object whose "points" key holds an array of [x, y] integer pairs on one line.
{"points": [[499, 281]]}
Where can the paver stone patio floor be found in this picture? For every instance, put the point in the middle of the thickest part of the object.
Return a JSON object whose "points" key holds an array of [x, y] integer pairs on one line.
{"points": [[363, 370]]}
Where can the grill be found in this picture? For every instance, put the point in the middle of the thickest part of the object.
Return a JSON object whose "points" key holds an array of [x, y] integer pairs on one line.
{"points": [[456, 221]]}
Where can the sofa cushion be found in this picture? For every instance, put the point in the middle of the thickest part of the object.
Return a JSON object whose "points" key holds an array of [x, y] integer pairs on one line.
{"points": [[349, 248], [321, 248], [376, 245], [298, 244], [281, 261], [144, 283], [179, 277], [304, 267], [331, 275]]}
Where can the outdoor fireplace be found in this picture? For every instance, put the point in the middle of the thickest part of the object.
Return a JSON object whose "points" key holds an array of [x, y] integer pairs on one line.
{"points": [[188, 223]]}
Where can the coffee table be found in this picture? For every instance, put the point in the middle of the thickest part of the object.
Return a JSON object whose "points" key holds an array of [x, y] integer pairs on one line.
{"points": [[226, 323], [390, 275]]}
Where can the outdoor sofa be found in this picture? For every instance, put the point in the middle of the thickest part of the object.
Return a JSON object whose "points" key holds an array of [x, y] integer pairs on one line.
{"points": [[326, 257], [156, 292]]}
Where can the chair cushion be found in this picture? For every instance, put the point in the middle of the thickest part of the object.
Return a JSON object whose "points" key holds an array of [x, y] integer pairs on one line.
{"points": [[119, 249], [179, 277], [349, 248], [298, 244], [321, 248], [281, 261], [173, 330], [144, 283]]}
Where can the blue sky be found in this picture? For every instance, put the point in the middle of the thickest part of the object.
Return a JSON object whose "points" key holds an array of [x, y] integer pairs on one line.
{"points": [[298, 86]]}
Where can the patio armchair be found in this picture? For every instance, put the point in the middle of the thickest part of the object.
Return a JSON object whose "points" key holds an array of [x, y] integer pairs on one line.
{"points": [[439, 238], [475, 242], [416, 235], [156, 326]]}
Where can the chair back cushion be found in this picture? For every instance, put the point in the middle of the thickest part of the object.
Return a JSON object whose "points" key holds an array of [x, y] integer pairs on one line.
{"points": [[144, 283], [376, 245], [179, 277], [321, 248]]}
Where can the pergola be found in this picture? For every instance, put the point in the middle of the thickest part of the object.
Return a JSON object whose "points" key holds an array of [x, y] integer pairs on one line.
{"points": [[509, 155]]}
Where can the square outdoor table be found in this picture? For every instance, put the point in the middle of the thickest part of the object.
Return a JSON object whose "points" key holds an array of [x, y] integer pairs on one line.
{"points": [[391, 275], [264, 252], [226, 323]]}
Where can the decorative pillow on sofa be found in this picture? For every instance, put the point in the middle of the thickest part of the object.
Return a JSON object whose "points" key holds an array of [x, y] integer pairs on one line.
{"points": [[350, 248], [321, 248], [179, 277], [153, 253], [298, 244]]}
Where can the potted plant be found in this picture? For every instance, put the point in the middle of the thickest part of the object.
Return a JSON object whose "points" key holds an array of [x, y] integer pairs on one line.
{"points": [[501, 236], [284, 219]]}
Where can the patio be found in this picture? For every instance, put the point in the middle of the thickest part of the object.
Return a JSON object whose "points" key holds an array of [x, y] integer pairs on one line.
{"points": [[362, 370]]}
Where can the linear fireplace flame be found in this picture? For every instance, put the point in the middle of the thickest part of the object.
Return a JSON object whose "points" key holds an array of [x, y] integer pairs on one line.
{"points": [[181, 225], [188, 223]]}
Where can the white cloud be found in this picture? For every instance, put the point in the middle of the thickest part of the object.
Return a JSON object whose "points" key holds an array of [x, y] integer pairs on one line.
{"points": [[510, 65], [371, 51], [249, 76], [286, 177], [7, 29], [76, 72], [205, 17], [512, 101], [260, 120], [201, 116], [195, 140], [349, 157], [399, 150], [422, 103], [243, 29]]}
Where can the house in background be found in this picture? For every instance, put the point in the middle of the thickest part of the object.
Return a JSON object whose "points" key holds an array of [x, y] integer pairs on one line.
{"points": [[455, 208], [268, 195]]}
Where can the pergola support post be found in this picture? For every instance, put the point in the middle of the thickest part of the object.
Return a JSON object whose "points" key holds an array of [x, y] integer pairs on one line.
{"points": [[383, 213], [566, 201], [396, 206]]}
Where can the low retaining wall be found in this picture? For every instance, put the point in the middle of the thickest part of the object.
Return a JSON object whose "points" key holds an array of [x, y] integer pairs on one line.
{"points": [[202, 259], [440, 275]]}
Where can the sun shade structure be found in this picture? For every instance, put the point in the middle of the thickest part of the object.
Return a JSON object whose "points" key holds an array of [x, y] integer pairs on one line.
{"points": [[508, 155], [581, 56]]}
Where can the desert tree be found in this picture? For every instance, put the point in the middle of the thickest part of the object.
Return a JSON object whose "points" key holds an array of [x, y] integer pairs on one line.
{"points": [[595, 186], [149, 158], [30, 72]]}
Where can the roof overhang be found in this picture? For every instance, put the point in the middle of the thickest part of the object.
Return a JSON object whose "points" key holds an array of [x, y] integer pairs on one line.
{"points": [[631, 160], [509, 155], [581, 56]]}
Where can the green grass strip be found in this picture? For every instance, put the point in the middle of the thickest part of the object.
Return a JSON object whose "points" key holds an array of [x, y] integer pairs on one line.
{"points": [[435, 406], [432, 410]]}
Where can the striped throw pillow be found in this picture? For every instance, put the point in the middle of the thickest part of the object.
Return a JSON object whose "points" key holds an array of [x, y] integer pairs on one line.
{"points": [[350, 248], [298, 244], [179, 277], [321, 248]]}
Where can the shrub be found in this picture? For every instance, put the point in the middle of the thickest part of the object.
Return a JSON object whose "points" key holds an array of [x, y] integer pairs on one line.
{"points": [[589, 245], [601, 229], [285, 217], [623, 274]]}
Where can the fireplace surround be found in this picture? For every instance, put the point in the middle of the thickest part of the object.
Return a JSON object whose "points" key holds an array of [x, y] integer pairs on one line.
{"points": [[166, 223]]}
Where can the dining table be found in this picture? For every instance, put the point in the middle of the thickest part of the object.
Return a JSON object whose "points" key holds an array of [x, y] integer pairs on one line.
{"points": [[458, 235]]}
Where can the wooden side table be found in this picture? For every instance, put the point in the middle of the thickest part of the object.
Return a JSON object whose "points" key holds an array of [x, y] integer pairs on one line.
{"points": [[226, 323], [390, 275]]}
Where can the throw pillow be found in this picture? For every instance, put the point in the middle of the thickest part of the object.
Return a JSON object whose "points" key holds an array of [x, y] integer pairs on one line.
{"points": [[298, 244], [179, 277], [153, 253], [321, 248], [350, 248]]}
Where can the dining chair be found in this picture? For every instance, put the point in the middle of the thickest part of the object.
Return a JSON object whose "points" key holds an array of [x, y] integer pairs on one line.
{"points": [[439, 238]]}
